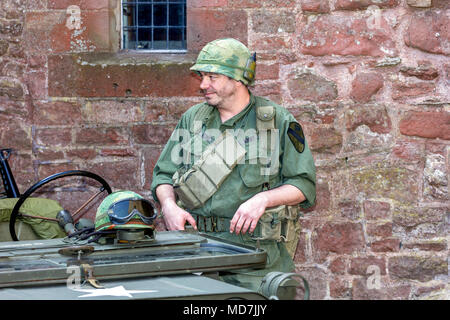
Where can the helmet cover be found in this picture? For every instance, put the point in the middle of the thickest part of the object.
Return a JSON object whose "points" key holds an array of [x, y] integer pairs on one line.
{"points": [[102, 220], [229, 57]]}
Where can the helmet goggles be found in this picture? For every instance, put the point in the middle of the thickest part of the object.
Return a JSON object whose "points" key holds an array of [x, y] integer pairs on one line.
{"points": [[125, 210]]}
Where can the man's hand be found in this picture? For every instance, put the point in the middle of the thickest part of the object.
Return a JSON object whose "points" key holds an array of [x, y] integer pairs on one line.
{"points": [[174, 216], [247, 215]]}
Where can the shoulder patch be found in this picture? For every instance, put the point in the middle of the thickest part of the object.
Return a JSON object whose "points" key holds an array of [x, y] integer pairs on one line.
{"points": [[295, 134]]}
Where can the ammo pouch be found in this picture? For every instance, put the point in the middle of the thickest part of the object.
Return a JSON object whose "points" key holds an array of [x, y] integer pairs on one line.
{"points": [[279, 223], [201, 181]]}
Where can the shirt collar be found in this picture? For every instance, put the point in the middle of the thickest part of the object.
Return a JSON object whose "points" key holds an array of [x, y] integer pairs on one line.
{"points": [[233, 120]]}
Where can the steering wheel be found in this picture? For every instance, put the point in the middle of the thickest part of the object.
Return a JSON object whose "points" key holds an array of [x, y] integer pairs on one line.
{"points": [[15, 212]]}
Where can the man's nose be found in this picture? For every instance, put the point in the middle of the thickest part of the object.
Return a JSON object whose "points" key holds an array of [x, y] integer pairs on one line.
{"points": [[205, 83]]}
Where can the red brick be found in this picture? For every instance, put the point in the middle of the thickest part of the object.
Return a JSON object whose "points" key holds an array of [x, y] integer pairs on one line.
{"points": [[57, 137], [151, 134], [221, 24], [15, 136], [149, 157], [69, 77], [117, 152], [82, 153], [428, 31], [124, 174], [426, 125], [101, 136], [56, 113], [342, 35]]}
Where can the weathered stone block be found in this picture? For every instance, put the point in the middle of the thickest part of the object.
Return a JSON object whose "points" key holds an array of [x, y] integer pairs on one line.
{"points": [[335, 237], [435, 178], [325, 140], [107, 111], [56, 113], [386, 245], [312, 87], [374, 210], [316, 6], [56, 137], [422, 71], [365, 85], [379, 229], [221, 24], [415, 267], [405, 90], [419, 3], [106, 76], [151, 134], [375, 117], [124, 174], [271, 22], [426, 125], [101, 136], [363, 4], [359, 265], [429, 32], [342, 35], [400, 184]]}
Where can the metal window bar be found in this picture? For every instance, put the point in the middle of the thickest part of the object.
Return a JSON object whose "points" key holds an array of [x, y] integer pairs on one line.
{"points": [[136, 27]]}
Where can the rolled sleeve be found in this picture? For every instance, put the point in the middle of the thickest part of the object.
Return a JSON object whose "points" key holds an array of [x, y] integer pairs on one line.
{"points": [[298, 169]]}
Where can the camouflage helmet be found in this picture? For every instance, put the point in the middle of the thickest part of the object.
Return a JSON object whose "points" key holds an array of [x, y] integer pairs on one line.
{"points": [[102, 217], [228, 57]]}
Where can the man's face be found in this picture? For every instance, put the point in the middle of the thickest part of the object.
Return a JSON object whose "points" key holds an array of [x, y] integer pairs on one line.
{"points": [[217, 88]]}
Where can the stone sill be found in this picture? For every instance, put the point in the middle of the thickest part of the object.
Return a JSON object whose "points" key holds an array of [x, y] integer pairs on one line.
{"points": [[134, 57]]}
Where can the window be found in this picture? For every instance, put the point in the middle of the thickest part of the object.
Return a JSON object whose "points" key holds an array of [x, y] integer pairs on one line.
{"points": [[158, 25]]}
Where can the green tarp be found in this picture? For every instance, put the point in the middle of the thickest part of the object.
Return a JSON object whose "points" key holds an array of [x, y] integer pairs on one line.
{"points": [[39, 207]]}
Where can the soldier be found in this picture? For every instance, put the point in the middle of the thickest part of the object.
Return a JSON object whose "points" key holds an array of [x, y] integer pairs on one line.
{"points": [[237, 166]]}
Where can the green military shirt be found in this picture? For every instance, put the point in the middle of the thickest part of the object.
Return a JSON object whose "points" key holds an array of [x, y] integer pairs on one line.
{"points": [[294, 165]]}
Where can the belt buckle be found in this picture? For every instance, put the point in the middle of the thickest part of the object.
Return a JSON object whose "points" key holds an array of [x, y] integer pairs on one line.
{"points": [[213, 224]]}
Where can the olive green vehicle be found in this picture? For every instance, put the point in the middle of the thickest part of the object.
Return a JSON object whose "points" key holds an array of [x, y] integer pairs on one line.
{"points": [[118, 256]]}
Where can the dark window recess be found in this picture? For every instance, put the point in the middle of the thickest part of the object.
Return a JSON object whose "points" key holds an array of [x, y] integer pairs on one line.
{"points": [[158, 25]]}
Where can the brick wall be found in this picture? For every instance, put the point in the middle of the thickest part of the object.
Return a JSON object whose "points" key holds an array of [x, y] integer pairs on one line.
{"points": [[367, 79]]}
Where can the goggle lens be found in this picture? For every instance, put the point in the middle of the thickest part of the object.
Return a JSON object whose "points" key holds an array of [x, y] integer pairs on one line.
{"points": [[123, 211]]}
